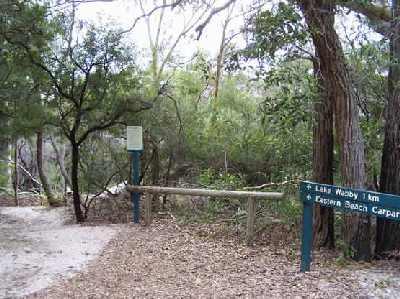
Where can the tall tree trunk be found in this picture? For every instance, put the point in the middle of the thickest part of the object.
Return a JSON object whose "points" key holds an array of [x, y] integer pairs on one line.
{"points": [[220, 60], [42, 175], [388, 232], [75, 183], [167, 177], [16, 173], [5, 177], [155, 175], [4, 157], [60, 156], [320, 17], [324, 234]]}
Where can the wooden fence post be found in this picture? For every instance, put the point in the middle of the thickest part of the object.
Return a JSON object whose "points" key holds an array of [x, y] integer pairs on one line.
{"points": [[147, 210], [251, 216]]}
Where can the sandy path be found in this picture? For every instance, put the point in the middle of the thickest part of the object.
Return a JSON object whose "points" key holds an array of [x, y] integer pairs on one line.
{"points": [[36, 248]]}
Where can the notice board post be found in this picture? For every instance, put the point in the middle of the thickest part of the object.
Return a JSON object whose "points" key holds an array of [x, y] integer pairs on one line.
{"points": [[134, 146], [307, 236]]}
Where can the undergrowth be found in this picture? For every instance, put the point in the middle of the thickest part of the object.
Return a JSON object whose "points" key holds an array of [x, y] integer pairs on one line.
{"points": [[234, 211]]}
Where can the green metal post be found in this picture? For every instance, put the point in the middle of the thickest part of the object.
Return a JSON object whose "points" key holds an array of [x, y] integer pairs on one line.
{"points": [[306, 242], [135, 196]]}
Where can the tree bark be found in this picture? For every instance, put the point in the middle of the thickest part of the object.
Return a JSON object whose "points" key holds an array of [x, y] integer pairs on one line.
{"points": [[5, 177], [324, 233], [4, 157], [42, 175], [320, 16], [167, 177], [60, 156], [16, 173], [220, 59], [388, 232], [155, 175], [75, 183]]}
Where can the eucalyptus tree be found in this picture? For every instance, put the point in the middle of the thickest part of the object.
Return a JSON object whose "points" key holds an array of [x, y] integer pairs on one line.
{"points": [[386, 21], [388, 235], [278, 37], [383, 17], [319, 16], [336, 88], [337, 99]]}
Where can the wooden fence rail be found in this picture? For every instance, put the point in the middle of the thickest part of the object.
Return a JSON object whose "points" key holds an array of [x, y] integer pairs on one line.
{"points": [[251, 204]]}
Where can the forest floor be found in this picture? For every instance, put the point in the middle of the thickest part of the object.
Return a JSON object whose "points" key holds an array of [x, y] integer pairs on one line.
{"points": [[167, 260]]}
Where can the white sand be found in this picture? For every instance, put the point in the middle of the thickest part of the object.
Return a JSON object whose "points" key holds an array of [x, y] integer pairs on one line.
{"points": [[36, 248]]}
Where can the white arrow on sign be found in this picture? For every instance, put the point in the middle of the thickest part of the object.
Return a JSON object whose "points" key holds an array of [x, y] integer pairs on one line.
{"points": [[308, 187], [309, 197]]}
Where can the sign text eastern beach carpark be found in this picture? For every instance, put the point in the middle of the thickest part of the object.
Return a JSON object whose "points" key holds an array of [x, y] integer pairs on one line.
{"points": [[350, 200]]}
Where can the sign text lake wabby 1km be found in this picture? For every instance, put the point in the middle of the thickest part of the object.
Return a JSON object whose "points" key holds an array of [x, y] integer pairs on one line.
{"points": [[352, 200]]}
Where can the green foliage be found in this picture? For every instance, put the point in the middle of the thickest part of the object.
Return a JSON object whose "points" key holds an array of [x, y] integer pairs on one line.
{"points": [[272, 35], [94, 82], [289, 209], [220, 180], [3, 175], [23, 26], [292, 91], [278, 29], [249, 132], [104, 163]]}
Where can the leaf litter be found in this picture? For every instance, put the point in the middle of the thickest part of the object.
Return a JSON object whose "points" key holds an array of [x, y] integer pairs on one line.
{"points": [[197, 261]]}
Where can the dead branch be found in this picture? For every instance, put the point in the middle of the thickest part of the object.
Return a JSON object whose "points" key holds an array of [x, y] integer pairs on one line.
{"points": [[60, 162], [24, 170], [148, 14], [213, 12], [266, 185]]}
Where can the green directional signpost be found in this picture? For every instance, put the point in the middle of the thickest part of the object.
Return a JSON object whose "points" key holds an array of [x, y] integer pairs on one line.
{"points": [[349, 200]]}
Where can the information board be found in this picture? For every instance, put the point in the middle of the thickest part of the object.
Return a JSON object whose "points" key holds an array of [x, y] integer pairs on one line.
{"points": [[134, 138]]}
